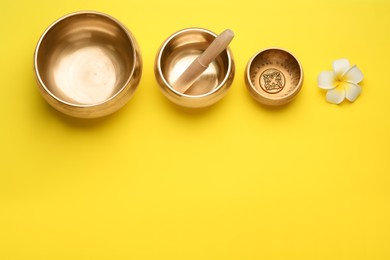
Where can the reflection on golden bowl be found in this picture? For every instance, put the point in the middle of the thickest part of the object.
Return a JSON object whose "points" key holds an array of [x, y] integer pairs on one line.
{"points": [[87, 64], [177, 53], [274, 77]]}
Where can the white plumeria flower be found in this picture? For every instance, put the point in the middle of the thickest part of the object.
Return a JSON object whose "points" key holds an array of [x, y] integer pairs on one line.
{"points": [[342, 82]]}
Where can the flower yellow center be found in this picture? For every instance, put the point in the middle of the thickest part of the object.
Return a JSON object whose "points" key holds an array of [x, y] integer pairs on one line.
{"points": [[338, 81]]}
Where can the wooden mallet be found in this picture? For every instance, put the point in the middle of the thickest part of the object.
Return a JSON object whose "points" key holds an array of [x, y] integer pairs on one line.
{"points": [[200, 64]]}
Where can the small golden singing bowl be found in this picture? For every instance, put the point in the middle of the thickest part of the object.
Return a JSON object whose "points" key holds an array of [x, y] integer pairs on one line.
{"points": [[177, 53], [87, 64], [274, 77]]}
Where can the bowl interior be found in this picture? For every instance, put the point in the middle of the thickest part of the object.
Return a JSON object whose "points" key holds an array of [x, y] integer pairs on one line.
{"points": [[275, 73], [85, 59], [181, 50]]}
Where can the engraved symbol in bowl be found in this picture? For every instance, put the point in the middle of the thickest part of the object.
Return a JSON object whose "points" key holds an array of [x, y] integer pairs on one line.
{"points": [[272, 81]]}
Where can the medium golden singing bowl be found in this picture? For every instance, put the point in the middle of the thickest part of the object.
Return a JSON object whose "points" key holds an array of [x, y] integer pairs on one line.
{"points": [[87, 64], [177, 53], [274, 77]]}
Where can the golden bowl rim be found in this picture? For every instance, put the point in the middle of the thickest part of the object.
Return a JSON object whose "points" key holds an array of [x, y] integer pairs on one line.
{"points": [[279, 98], [170, 87], [85, 12]]}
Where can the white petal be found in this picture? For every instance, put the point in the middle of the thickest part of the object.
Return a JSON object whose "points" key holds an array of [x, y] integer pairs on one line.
{"points": [[353, 75], [335, 96], [326, 80], [340, 67], [352, 91]]}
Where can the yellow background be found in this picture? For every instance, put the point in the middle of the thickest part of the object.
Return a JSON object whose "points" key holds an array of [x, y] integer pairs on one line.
{"points": [[237, 181]]}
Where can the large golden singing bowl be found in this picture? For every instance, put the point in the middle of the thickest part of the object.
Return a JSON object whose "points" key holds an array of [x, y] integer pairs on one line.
{"points": [[177, 53], [274, 77], [87, 64]]}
